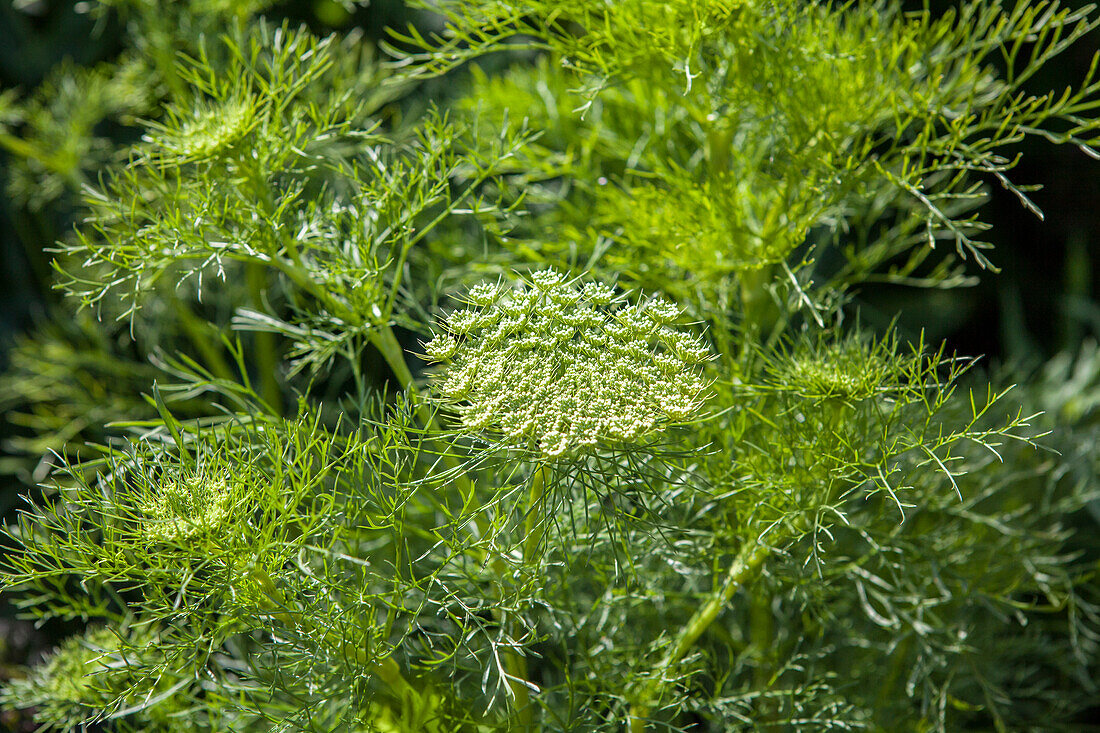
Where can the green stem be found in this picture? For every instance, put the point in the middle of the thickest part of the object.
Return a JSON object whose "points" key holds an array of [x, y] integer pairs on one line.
{"points": [[387, 344], [744, 568], [267, 358], [23, 149], [898, 662], [381, 337], [719, 146], [389, 672], [160, 49], [516, 664], [533, 526], [198, 331], [762, 637], [757, 307], [533, 532]]}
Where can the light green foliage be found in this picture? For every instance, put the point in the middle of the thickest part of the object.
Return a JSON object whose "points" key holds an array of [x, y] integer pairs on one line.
{"points": [[706, 498], [296, 184], [65, 385], [59, 150], [778, 125], [236, 138]]}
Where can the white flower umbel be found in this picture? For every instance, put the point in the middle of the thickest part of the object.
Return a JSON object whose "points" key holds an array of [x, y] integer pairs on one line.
{"points": [[560, 368]]}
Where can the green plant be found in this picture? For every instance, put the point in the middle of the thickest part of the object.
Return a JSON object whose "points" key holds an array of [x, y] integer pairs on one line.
{"points": [[649, 472]]}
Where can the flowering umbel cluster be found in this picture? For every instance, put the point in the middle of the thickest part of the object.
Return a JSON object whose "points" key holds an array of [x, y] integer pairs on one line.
{"points": [[563, 367]]}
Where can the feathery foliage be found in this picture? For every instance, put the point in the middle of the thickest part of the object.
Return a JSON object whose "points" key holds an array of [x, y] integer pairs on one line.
{"points": [[656, 474]]}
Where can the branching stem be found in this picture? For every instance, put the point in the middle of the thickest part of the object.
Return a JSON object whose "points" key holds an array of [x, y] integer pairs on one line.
{"points": [[757, 308], [386, 670], [741, 572], [387, 344], [199, 331]]}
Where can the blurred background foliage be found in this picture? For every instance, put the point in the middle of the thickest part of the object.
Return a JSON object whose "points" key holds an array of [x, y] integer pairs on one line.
{"points": [[76, 76], [1043, 302]]}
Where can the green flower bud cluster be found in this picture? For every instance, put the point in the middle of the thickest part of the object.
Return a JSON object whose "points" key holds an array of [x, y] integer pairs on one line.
{"points": [[850, 371], [551, 364], [207, 132], [187, 507], [84, 677]]}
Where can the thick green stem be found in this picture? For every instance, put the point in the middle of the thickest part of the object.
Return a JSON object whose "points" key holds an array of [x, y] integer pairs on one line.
{"points": [[757, 308], [516, 664], [899, 660], [160, 49], [744, 568], [389, 672], [267, 357], [533, 532], [19, 147], [200, 331], [762, 637], [387, 344], [533, 525]]}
